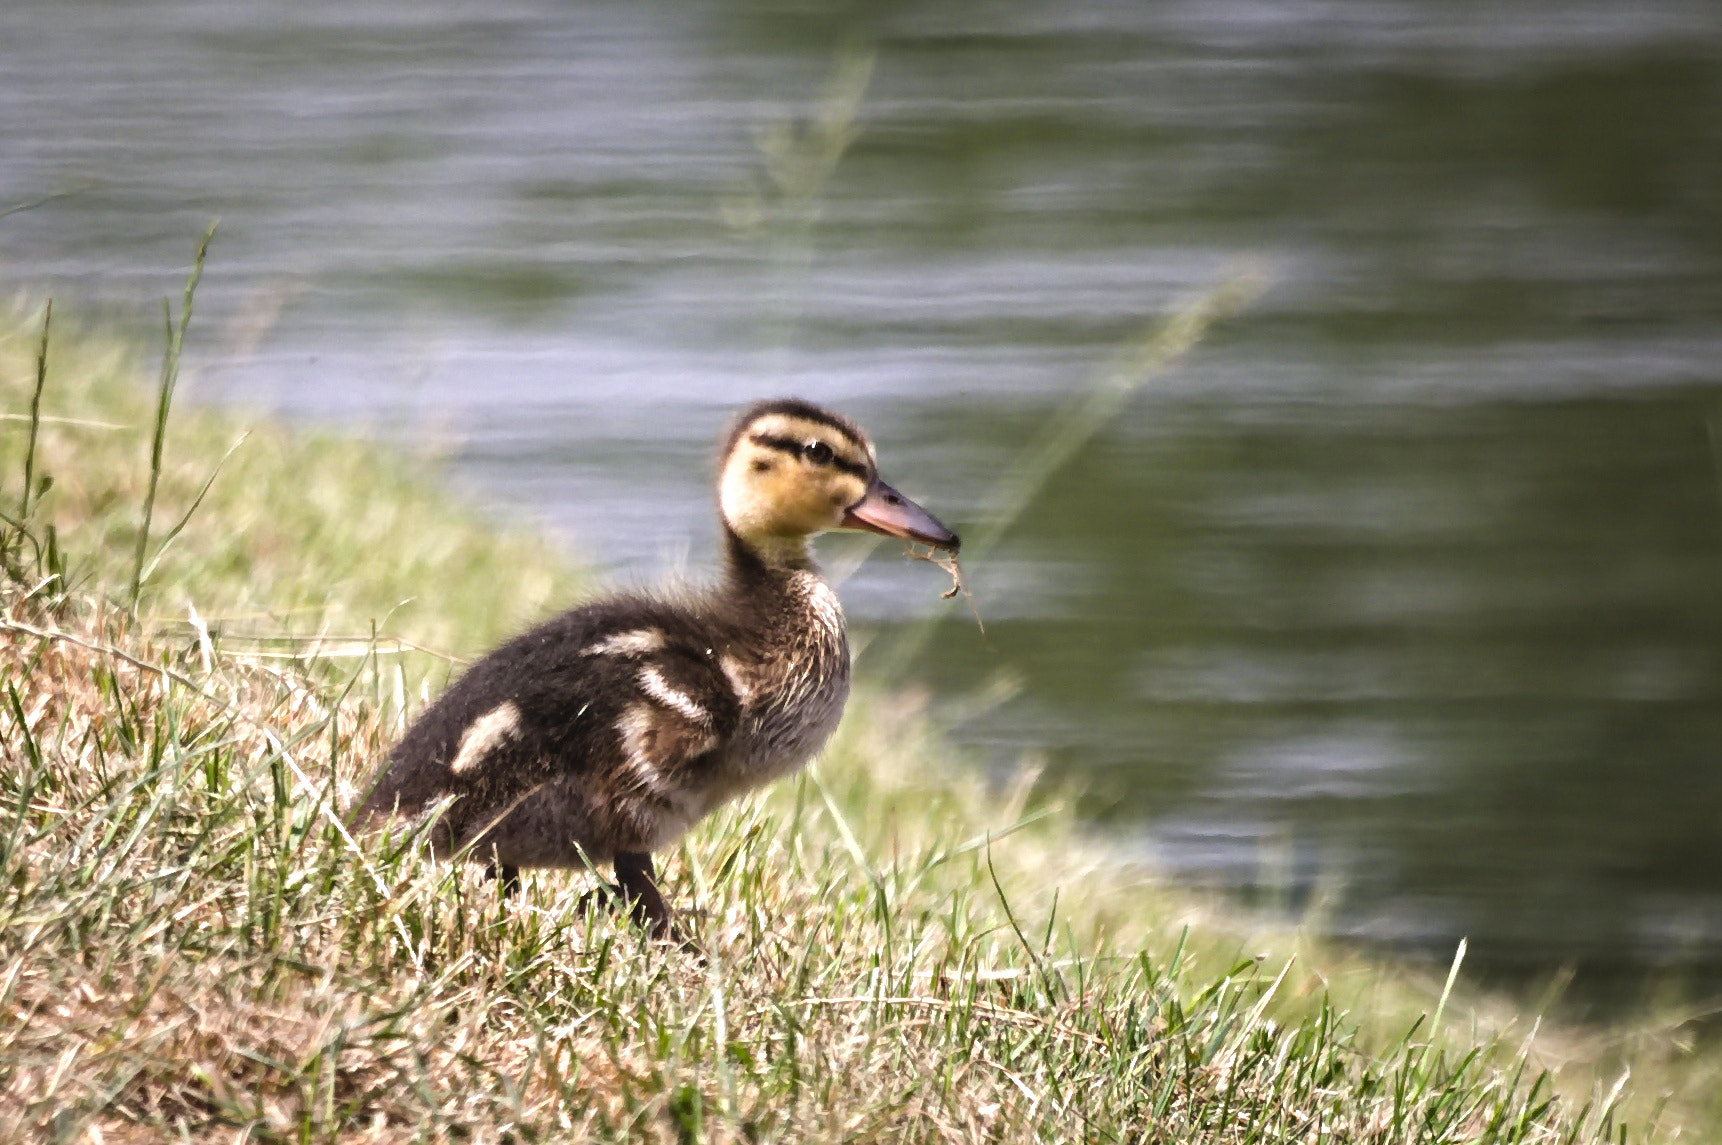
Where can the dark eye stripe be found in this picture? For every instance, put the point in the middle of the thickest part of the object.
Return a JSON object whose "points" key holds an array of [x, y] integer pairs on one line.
{"points": [[799, 449]]}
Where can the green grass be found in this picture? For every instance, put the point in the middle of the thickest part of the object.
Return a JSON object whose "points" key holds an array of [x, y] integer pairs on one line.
{"points": [[193, 947], [300, 533]]}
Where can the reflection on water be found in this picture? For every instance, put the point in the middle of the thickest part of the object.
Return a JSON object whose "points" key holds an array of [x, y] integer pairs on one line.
{"points": [[1406, 586]]}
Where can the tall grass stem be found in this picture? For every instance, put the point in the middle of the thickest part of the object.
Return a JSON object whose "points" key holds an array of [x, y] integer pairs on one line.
{"points": [[798, 161], [39, 201], [1144, 358], [1447, 990], [164, 403], [1149, 355], [185, 519], [36, 413]]}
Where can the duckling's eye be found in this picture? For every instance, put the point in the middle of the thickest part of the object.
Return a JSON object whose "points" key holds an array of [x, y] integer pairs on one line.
{"points": [[817, 452]]}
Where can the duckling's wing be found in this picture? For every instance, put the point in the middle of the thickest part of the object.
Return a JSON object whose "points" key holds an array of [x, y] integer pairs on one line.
{"points": [[598, 728], [648, 769]]}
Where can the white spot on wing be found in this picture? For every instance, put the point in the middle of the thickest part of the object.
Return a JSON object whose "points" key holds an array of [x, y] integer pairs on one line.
{"points": [[637, 643], [484, 735], [633, 727], [660, 690], [737, 677]]}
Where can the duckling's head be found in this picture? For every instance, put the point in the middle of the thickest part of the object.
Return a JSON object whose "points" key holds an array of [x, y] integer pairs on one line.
{"points": [[791, 470]]}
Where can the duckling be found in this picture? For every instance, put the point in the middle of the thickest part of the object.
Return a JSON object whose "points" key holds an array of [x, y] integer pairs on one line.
{"points": [[605, 733]]}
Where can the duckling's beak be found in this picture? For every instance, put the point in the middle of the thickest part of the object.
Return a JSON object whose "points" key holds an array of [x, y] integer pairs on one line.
{"points": [[884, 510]]}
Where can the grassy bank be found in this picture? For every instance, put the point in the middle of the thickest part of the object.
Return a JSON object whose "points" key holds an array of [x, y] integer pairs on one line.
{"points": [[192, 946]]}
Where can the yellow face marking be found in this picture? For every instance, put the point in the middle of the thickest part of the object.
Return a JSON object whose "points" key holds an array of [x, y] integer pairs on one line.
{"points": [[789, 477]]}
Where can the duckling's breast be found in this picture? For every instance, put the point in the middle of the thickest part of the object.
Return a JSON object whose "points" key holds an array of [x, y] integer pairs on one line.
{"points": [[792, 687]]}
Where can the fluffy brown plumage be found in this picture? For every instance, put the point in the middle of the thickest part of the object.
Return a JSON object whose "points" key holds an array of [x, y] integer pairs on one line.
{"points": [[603, 734]]}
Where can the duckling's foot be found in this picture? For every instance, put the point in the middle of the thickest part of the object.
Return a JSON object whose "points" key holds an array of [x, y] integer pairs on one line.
{"points": [[636, 885], [507, 877], [635, 888]]}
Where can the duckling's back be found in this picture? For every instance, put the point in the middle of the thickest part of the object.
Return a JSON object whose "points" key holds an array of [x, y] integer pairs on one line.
{"points": [[599, 732]]}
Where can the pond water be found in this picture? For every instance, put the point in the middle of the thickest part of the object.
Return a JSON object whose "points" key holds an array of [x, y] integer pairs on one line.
{"points": [[1401, 593]]}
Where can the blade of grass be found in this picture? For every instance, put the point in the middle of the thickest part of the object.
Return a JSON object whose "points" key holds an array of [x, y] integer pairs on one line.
{"points": [[1713, 428], [36, 413], [1139, 362], [1447, 990], [179, 526], [798, 161], [1146, 357], [1046, 979], [845, 832], [79, 422], [39, 201], [164, 403]]}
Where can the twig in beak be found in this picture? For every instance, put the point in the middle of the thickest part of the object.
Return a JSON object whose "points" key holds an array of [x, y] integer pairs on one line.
{"points": [[948, 561]]}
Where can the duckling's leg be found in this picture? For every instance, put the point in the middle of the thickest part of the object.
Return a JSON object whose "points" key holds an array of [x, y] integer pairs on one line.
{"points": [[637, 883], [507, 876]]}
